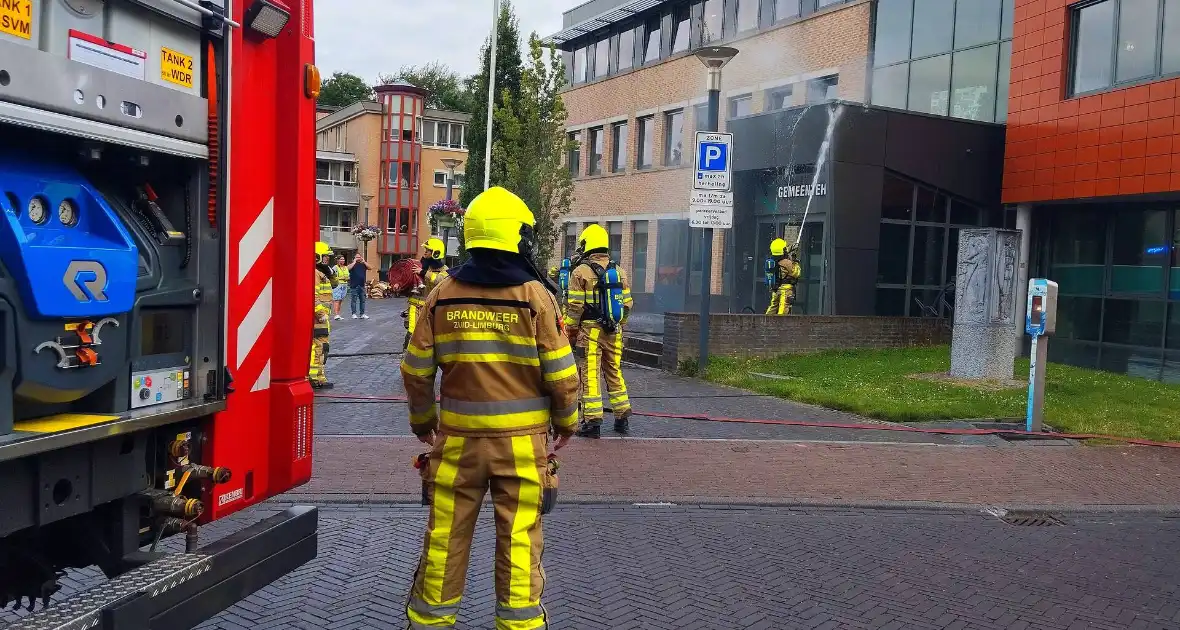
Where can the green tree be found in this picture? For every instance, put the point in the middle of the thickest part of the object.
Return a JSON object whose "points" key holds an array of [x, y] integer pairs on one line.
{"points": [[343, 89], [445, 88], [508, 71], [532, 142]]}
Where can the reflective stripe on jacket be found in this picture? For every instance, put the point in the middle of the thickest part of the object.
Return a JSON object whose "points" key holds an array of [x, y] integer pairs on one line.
{"points": [[323, 288], [506, 367]]}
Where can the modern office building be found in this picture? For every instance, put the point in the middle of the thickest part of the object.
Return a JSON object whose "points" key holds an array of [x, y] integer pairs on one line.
{"points": [[378, 163], [637, 96], [1093, 162]]}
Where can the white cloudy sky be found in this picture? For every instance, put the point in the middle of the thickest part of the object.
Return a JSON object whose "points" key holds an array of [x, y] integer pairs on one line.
{"points": [[367, 37]]}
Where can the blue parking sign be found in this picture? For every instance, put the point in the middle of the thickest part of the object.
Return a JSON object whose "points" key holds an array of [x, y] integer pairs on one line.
{"points": [[713, 156]]}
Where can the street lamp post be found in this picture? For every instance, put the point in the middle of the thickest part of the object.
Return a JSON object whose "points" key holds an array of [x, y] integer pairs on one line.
{"points": [[714, 58], [487, 154], [365, 244], [451, 164]]}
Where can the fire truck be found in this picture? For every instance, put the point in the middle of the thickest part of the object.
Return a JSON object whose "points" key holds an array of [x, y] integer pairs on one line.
{"points": [[156, 214]]}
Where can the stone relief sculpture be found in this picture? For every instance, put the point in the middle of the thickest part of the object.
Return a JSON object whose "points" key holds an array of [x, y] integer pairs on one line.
{"points": [[983, 345], [1004, 285], [972, 278]]}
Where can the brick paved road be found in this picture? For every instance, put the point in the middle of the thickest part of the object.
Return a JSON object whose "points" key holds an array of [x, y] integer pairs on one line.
{"points": [[376, 374], [710, 568]]}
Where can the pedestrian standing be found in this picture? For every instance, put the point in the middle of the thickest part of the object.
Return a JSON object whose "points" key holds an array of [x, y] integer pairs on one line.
{"points": [[508, 379], [356, 286], [340, 291]]}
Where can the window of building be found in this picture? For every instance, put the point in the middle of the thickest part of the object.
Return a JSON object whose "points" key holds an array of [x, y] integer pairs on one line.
{"points": [[1093, 39], [681, 29], [929, 85], [440, 179], [639, 257], [700, 117], [1170, 55], [570, 244], [580, 65], [407, 175], [428, 132], [786, 9], [747, 15], [823, 89], [444, 135], [1139, 253], [892, 44], [823, 3], [1002, 82], [935, 27], [976, 22], [626, 49], [1138, 43], [779, 98], [973, 83], [574, 157], [618, 162], [651, 40], [597, 149], [602, 57], [741, 106], [673, 138], [614, 230], [889, 85], [713, 19], [321, 171], [646, 140]]}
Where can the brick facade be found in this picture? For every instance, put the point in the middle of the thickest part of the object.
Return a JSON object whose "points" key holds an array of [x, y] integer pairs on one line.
{"points": [[763, 336], [1119, 142], [833, 41]]}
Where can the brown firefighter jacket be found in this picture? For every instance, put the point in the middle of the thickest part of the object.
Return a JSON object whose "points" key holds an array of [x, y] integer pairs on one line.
{"points": [[583, 291], [507, 369]]}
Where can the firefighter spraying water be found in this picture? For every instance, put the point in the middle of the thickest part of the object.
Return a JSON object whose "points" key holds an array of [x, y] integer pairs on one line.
{"points": [[782, 273]]}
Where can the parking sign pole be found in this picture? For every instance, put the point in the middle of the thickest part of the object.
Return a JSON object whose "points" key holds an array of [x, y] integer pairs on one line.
{"points": [[707, 233]]}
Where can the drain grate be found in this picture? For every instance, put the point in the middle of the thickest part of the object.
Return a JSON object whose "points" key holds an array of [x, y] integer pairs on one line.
{"points": [[1031, 519]]}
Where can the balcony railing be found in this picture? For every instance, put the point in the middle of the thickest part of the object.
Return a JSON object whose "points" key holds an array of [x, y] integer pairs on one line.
{"points": [[338, 237], [337, 192]]}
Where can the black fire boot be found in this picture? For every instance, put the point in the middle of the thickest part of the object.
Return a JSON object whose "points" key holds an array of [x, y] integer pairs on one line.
{"points": [[623, 422], [323, 385], [592, 430]]}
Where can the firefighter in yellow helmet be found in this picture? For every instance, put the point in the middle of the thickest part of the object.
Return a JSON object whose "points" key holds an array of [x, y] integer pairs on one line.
{"points": [[597, 308], [508, 380], [325, 280], [782, 273], [434, 252]]}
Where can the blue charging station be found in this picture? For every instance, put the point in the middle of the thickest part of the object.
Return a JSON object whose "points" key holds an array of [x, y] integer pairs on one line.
{"points": [[1040, 322]]}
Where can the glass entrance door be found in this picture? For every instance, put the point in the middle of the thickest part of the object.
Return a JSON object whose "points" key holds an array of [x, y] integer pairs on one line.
{"points": [[809, 292]]}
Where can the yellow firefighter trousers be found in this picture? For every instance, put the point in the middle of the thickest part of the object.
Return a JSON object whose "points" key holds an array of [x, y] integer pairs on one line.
{"points": [[604, 353], [463, 469], [780, 300], [318, 372]]}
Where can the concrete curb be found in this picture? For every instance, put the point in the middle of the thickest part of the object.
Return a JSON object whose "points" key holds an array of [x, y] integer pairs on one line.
{"points": [[744, 503]]}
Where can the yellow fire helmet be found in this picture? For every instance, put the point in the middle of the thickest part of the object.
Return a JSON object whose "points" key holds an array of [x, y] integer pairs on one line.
{"points": [[594, 237], [323, 249], [778, 247], [494, 221], [435, 248]]}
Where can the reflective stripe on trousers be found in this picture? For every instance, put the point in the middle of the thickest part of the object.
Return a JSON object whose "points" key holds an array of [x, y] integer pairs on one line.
{"points": [[463, 470], [780, 300], [317, 371], [604, 353]]}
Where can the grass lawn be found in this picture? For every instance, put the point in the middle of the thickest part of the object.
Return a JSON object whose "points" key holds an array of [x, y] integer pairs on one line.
{"points": [[875, 383]]}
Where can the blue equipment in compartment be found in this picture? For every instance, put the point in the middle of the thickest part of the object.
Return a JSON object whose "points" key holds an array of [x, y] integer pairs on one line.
{"points": [[81, 271]]}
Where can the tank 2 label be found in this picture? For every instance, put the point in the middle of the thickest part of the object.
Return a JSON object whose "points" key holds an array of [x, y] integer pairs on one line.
{"points": [[175, 67]]}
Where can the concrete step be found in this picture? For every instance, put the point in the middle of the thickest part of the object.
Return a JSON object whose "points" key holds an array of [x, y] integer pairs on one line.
{"points": [[639, 357]]}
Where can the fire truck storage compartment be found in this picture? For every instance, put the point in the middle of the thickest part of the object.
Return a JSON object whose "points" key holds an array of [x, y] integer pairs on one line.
{"points": [[144, 215], [112, 61]]}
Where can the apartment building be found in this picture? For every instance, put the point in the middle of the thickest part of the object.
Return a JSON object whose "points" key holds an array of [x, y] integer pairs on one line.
{"points": [[1093, 164], [378, 163]]}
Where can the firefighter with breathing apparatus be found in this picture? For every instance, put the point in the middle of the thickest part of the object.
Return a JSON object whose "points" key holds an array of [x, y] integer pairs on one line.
{"points": [[508, 380], [561, 277], [434, 252], [782, 273], [598, 305], [325, 281]]}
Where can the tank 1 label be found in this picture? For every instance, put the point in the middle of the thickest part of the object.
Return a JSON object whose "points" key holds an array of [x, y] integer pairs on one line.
{"points": [[16, 18], [175, 67]]}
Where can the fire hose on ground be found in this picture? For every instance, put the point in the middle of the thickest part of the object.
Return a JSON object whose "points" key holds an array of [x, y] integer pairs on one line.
{"points": [[824, 425]]}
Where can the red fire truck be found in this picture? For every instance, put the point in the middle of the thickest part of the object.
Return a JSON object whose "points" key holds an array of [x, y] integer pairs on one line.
{"points": [[157, 233]]}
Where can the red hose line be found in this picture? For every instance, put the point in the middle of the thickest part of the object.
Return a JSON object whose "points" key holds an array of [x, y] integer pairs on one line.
{"points": [[838, 425]]}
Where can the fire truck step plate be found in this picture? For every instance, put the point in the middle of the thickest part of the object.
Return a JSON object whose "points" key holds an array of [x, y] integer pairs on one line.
{"points": [[62, 422], [84, 610]]}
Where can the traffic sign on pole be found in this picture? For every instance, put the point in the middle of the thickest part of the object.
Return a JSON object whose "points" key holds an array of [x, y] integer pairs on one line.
{"points": [[713, 164]]}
